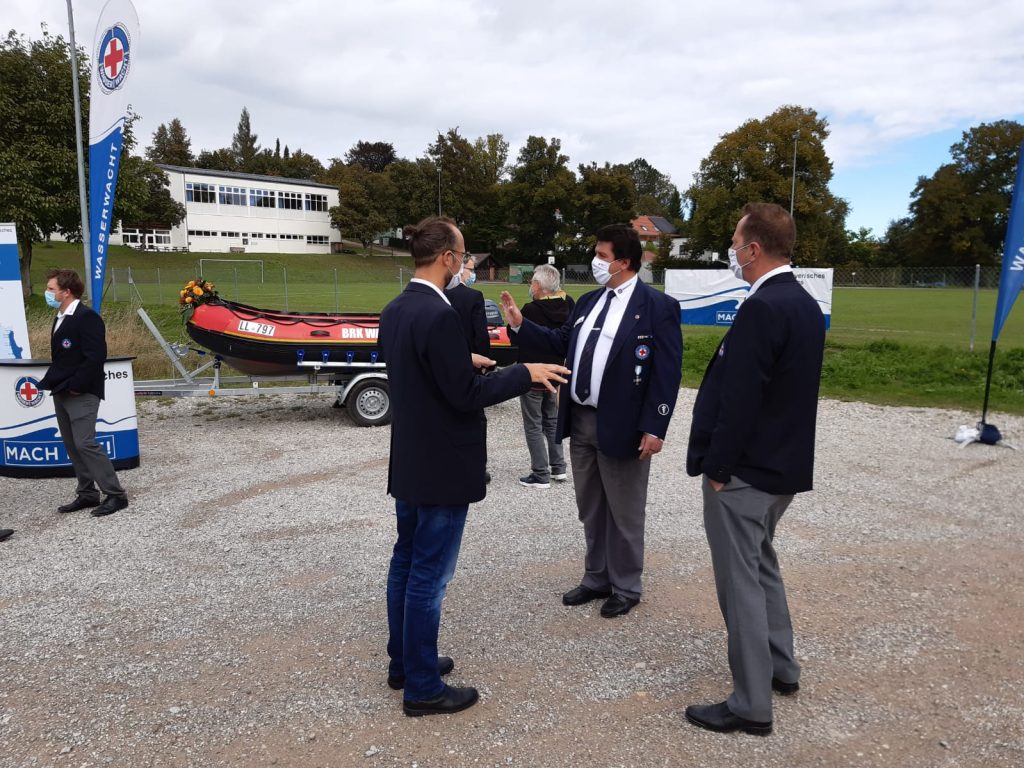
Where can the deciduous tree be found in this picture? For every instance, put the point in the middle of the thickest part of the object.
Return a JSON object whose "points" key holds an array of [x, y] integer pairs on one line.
{"points": [[374, 156], [38, 159], [538, 198], [754, 163], [958, 216]]}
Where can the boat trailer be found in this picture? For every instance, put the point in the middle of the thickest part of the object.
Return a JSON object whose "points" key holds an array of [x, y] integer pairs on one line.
{"points": [[362, 388]]}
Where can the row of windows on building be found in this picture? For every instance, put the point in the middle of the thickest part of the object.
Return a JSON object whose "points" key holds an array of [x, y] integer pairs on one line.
{"points": [[255, 198], [310, 239]]}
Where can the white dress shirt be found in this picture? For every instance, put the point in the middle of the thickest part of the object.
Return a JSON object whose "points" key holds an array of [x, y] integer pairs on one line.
{"points": [[616, 312], [438, 290], [766, 276], [69, 311]]}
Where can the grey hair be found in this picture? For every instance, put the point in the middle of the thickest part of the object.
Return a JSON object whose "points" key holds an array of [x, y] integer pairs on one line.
{"points": [[547, 277]]}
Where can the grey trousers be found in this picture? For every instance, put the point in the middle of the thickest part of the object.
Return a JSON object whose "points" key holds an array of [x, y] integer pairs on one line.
{"points": [[611, 495], [740, 524], [540, 417], [76, 418]]}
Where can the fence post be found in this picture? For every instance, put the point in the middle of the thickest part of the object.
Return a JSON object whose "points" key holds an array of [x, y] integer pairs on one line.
{"points": [[159, 288], [974, 304], [113, 282], [337, 303], [285, 271]]}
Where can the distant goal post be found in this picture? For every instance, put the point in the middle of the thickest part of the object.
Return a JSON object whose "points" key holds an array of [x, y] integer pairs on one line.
{"points": [[233, 261]]}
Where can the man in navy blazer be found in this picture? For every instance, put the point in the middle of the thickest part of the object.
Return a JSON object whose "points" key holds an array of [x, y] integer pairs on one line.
{"points": [[75, 378], [625, 347], [438, 455], [752, 439], [469, 303]]}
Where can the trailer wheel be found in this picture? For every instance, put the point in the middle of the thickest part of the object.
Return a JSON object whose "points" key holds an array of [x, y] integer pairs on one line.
{"points": [[369, 403]]}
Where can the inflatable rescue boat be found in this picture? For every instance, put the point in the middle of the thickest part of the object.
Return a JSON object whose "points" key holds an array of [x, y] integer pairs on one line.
{"points": [[264, 342]]}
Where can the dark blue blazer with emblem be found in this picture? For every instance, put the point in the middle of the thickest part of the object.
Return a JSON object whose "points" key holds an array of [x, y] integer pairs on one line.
{"points": [[438, 430], [626, 409], [78, 351], [755, 412]]}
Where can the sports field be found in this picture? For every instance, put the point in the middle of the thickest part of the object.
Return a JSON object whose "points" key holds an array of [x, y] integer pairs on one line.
{"points": [[886, 345]]}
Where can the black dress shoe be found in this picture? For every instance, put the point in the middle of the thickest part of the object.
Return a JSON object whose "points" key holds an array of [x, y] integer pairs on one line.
{"points": [[444, 666], [79, 503], [582, 595], [718, 717], [110, 505], [6, 533], [784, 689], [618, 605], [451, 700]]}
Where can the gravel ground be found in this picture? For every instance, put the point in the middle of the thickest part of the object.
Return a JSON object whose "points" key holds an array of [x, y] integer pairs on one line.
{"points": [[234, 614]]}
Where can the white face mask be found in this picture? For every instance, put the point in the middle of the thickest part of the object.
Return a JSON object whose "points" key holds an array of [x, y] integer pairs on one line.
{"points": [[734, 264], [599, 268], [456, 278]]}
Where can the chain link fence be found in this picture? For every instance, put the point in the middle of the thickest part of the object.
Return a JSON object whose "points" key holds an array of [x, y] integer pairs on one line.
{"points": [[349, 289]]}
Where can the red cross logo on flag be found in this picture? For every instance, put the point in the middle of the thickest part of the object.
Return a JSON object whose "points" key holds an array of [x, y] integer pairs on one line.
{"points": [[113, 56]]}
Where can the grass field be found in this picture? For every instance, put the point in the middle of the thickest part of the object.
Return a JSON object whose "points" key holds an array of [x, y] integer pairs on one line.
{"points": [[886, 345]]}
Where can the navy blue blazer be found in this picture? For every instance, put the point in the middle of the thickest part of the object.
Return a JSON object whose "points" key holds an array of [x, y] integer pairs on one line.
{"points": [[626, 409], [78, 351], [756, 408], [469, 304], [438, 430]]}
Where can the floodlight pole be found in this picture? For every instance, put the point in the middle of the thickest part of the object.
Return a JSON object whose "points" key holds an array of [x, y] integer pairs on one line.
{"points": [[792, 189], [81, 160]]}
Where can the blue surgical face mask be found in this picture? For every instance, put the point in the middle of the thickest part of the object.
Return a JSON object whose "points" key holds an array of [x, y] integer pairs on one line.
{"points": [[51, 299], [471, 279]]}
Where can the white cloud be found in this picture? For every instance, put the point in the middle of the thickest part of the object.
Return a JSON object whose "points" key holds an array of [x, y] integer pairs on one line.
{"points": [[657, 79]]}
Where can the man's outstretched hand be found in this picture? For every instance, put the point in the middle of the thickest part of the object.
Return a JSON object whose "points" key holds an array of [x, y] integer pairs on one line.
{"points": [[512, 314], [548, 374]]}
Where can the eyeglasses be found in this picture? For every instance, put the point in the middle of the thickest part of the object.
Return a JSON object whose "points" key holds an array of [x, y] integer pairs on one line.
{"points": [[464, 256]]}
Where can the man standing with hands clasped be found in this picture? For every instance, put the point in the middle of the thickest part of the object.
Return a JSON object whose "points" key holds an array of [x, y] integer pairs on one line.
{"points": [[75, 378], [437, 460], [752, 440], [625, 348]]}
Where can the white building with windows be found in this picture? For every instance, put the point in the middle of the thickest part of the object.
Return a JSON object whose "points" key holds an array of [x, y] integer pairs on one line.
{"points": [[227, 212]]}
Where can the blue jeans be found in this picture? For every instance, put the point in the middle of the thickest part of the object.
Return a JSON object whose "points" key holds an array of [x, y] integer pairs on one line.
{"points": [[422, 564]]}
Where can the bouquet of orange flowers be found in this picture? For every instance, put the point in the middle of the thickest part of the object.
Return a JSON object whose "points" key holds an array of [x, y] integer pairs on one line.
{"points": [[194, 293]]}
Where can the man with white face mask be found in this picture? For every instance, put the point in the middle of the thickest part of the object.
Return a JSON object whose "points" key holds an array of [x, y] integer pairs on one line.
{"points": [[75, 378], [437, 458], [625, 348], [752, 441]]}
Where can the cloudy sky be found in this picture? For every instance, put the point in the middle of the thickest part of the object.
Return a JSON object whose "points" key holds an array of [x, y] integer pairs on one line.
{"points": [[898, 80]]}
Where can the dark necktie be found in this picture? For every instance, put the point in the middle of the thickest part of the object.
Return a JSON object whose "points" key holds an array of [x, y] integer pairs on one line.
{"points": [[584, 371]]}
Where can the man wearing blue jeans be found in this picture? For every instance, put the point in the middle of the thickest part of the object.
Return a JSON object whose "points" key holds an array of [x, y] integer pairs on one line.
{"points": [[438, 456]]}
